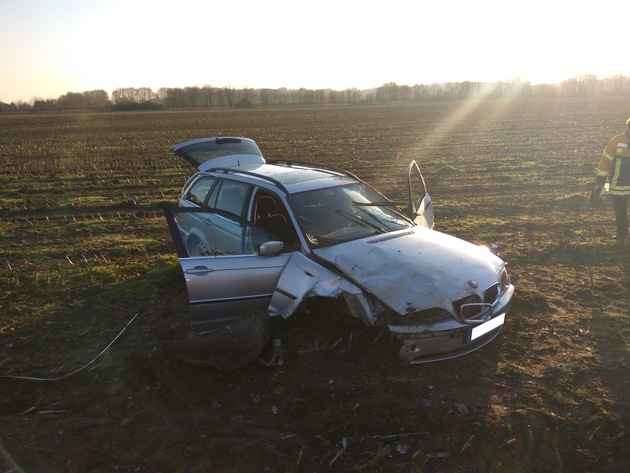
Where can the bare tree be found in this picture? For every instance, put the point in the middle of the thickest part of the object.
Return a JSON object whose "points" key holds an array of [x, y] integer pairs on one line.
{"points": [[208, 94], [193, 97], [229, 95], [71, 101], [97, 99], [353, 95], [132, 95]]}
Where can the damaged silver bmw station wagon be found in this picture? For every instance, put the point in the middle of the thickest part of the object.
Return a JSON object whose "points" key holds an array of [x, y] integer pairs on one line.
{"points": [[257, 236]]}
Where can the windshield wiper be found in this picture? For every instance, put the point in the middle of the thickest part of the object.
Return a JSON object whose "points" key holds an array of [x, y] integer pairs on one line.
{"points": [[392, 207], [360, 220], [373, 204]]}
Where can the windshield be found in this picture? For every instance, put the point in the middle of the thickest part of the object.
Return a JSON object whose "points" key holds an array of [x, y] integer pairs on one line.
{"points": [[339, 214]]}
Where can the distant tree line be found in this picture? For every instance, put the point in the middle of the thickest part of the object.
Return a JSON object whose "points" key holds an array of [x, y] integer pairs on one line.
{"points": [[228, 97]]}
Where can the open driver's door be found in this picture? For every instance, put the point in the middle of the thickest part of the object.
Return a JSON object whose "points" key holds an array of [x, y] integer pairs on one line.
{"points": [[419, 205], [230, 269]]}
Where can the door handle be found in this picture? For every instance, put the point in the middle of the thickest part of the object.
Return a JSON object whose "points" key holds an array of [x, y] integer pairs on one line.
{"points": [[199, 270]]}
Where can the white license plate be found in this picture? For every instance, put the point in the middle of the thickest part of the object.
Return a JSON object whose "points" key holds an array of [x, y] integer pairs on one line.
{"points": [[486, 327]]}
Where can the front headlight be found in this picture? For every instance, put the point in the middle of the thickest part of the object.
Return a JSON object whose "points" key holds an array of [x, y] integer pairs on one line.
{"points": [[504, 280]]}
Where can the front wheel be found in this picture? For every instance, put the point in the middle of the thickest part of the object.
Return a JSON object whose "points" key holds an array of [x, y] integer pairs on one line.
{"points": [[196, 247]]}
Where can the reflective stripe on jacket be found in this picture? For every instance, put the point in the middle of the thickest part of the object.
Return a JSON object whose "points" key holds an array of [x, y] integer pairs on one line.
{"points": [[615, 165]]}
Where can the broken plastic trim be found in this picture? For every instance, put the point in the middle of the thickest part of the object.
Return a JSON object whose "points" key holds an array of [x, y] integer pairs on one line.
{"points": [[475, 312]]}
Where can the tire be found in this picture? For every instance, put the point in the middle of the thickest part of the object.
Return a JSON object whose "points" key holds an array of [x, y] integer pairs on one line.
{"points": [[196, 247]]}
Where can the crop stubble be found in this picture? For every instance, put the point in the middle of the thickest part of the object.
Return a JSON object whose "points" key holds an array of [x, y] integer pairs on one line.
{"points": [[83, 245]]}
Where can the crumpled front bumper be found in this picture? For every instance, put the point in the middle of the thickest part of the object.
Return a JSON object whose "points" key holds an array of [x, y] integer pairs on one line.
{"points": [[424, 344]]}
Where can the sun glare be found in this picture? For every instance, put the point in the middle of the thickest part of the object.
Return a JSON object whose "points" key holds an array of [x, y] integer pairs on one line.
{"points": [[117, 43]]}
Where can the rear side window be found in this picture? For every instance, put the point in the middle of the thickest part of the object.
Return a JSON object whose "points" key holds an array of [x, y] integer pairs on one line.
{"points": [[229, 196], [199, 190]]}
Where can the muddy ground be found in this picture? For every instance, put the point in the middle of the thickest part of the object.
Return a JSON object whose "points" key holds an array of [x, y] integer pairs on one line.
{"points": [[549, 395], [562, 407]]}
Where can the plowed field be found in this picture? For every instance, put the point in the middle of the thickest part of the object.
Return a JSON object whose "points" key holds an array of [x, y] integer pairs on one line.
{"points": [[84, 247]]}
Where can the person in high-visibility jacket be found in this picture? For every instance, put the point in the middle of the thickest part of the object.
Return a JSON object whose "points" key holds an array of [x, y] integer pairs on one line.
{"points": [[614, 166]]}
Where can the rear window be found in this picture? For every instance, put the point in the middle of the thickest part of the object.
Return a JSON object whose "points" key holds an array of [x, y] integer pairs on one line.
{"points": [[201, 152]]}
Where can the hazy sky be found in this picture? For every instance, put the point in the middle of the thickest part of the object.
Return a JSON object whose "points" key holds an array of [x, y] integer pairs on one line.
{"points": [[50, 47]]}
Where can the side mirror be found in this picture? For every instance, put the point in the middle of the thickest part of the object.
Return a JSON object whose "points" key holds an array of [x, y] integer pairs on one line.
{"points": [[270, 248]]}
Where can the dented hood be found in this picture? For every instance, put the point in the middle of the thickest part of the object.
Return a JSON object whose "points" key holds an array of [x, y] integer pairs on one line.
{"points": [[415, 269]]}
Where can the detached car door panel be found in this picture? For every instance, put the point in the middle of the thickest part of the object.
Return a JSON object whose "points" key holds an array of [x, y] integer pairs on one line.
{"points": [[225, 276]]}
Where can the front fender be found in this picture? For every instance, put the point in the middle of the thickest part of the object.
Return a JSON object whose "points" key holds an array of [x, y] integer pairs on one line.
{"points": [[303, 278]]}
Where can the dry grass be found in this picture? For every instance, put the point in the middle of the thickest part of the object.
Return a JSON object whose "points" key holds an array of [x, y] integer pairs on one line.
{"points": [[83, 245]]}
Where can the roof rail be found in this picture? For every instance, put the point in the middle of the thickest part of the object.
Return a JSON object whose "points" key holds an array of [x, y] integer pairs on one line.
{"points": [[275, 182]]}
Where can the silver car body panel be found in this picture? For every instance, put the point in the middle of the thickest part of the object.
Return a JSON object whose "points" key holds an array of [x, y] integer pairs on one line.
{"points": [[407, 270], [226, 286], [236, 160], [295, 179], [303, 278]]}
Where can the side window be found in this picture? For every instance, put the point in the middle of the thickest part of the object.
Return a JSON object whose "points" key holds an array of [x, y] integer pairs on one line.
{"points": [[199, 190], [199, 232], [229, 196], [271, 215]]}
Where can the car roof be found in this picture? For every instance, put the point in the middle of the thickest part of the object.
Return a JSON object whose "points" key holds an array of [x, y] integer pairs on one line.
{"points": [[241, 157], [288, 176]]}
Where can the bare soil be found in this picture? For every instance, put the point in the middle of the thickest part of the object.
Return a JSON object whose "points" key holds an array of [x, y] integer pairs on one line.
{"points": [[549, 395]]}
